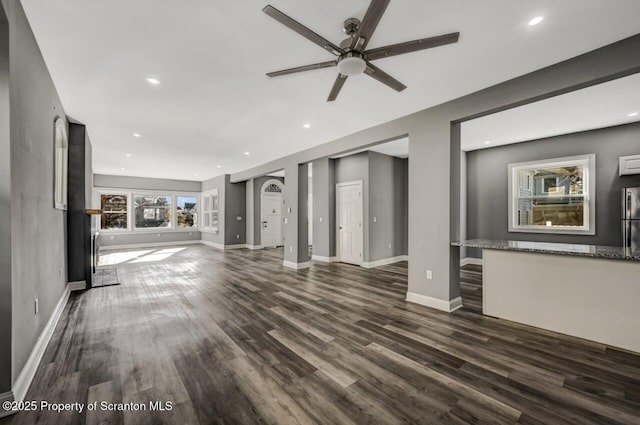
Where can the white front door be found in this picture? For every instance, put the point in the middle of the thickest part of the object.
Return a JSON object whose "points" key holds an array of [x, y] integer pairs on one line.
{"points": [[271, 220], [349, 214]]}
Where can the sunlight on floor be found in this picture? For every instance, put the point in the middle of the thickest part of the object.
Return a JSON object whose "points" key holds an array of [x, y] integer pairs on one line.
{"points": [[146, 256]]}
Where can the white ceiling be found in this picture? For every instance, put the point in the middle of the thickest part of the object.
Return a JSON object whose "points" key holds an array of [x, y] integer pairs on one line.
{"points": [[598, 106], [214, 101]]}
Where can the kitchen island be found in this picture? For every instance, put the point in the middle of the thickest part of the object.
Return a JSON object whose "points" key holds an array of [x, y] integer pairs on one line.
{"points": [[587, 291]]}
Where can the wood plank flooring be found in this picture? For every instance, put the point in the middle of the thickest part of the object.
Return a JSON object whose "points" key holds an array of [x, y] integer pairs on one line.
{"points": [[234, 338]]}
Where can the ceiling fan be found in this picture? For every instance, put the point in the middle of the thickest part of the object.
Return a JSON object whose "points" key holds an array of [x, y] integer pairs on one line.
{"points": [[352, 58]]}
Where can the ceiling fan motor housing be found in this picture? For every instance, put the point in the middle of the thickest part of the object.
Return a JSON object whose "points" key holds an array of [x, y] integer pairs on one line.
{"points": [[351, 63]]}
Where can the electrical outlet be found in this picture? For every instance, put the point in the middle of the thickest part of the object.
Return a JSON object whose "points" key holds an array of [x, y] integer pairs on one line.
{"points": [[389, 246], [158, 234], [289, 210], [36, 306], [320, 219], [429, 274], [59, 272], [237, 236], [290, 249], [375, 219]]}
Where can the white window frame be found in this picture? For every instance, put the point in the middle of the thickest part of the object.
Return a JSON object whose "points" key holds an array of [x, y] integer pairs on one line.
{"points": [[130, 194], [98, 201], [208, 195], [175, 210], [589, 195]]}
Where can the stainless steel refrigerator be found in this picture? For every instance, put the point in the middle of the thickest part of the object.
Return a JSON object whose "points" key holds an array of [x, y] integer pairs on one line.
{"points": [[631, 218]]}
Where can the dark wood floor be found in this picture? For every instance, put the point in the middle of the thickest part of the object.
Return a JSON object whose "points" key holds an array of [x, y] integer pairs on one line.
{"points": [[233, 337]]}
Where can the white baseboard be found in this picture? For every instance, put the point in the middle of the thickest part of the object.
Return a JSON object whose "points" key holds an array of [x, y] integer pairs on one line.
{"points": [[448, 306], [254, 246], [324, 259], [236, 246], [212, 244], [384, 261], [470, 260], [8, 396], [79, 285], [22, 384], [148, 245], [296, 266]]}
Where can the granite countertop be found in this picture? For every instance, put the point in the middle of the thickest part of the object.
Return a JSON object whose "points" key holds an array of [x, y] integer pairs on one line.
{"points": [[596, 251]]}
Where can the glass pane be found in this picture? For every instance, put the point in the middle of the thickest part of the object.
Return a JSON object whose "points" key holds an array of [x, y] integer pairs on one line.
{"points": [[152, 211], [187, 211], [113, 203], [113, 221], [551, 196]]}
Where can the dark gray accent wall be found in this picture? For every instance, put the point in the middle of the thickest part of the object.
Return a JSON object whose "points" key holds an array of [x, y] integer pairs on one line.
{"points": [[129, 182], [257, 205], [78, 223], [235, 207], [487, 180], [388, 204], [38, 247], [5, 210]]}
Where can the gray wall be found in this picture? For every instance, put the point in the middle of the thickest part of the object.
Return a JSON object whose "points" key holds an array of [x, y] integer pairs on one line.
{"points": [[5, 210], [434, 144], [487, 180], [257, 205], [38, 230], [142, 183], [388, 203], [128, 182], [324, 198], [353, 168], [235, 207]]}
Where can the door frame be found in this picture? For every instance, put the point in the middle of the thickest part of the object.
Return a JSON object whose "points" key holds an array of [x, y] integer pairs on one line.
{"points": [[337, 229], [280, 184]]}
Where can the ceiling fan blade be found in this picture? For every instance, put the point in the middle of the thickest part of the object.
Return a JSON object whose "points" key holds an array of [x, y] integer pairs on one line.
{"points": [[412, 46], [337, 86], [383, 77], [302, 30], [320, 65], [369, 24]]}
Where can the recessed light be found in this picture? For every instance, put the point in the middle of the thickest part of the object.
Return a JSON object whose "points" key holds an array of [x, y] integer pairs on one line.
{"points": [[153, 81], [128, 155], [196, 174], [307, 125], [218, 166], [633, 114], [247, 153], [487, 142], [137, 135], [122, 169], [536, 20]]}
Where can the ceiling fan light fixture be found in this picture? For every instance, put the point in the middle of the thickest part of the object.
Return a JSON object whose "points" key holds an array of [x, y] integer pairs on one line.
{"points": [[352, 63]]}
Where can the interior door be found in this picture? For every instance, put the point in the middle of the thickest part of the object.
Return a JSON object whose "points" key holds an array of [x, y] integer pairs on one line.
{"points": [[350, 232], [272, 220]]}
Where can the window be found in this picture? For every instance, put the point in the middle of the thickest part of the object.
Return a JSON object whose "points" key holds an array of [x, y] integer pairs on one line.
{"points": [[152, 211], [210, 200], [553, 196], [114, 212], [186, 211], [61, 159]]}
